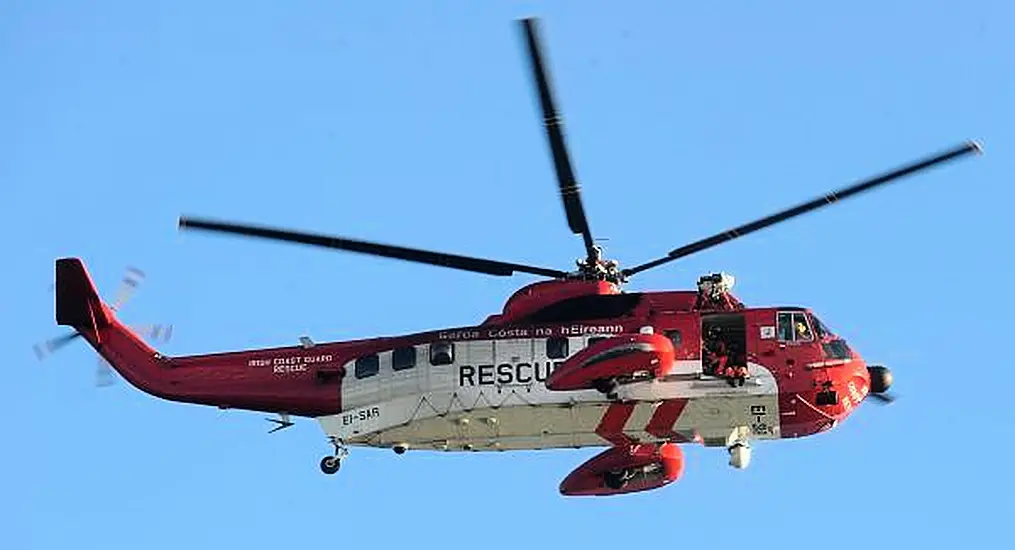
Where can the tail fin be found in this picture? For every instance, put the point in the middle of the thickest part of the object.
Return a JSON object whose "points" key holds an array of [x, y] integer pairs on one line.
{"points": [[77, 301]]}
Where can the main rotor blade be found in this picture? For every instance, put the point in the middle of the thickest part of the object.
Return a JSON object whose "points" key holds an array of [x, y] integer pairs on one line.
{"points": [[570, 193], [834, 196], [454, 261]]}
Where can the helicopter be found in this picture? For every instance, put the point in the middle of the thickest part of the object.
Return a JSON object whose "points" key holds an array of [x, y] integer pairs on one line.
{"points": [[573, 361]]}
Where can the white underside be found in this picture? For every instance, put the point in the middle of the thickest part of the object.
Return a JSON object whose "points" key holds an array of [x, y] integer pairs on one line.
{"points": [[519, 417]]}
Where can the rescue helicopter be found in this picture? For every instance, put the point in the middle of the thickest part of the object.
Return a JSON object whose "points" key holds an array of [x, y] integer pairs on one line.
{"points": [[572, 361]]}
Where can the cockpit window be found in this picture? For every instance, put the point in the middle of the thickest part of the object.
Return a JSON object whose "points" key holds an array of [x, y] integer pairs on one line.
{"points": [[833, 346], [793, 327], [821, 329], [785, 326], [836, 349]]}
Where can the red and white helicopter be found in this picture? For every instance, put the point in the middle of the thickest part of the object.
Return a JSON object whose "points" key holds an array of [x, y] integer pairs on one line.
{"points": [[571, 362]]}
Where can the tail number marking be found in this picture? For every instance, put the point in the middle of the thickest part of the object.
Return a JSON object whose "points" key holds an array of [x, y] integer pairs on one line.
{"points": [[361, 415]]}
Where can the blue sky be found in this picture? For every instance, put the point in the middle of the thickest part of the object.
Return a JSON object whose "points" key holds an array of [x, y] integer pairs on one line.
{"points": [[415, 123]]}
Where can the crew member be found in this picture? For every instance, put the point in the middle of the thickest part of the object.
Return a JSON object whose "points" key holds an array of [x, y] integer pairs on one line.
{"points": [[721, 360], [717, 354], [802, 332], [741, 374], [712, 297]]}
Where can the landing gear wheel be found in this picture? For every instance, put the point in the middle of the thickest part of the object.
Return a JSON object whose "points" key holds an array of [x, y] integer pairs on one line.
{"points": [[330, 465]]}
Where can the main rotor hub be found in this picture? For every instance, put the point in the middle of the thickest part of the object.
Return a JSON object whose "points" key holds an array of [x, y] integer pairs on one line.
{"points": [[595, 268]]}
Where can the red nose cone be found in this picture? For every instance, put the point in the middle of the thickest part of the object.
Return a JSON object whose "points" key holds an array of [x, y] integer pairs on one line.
{"points": [[880, 378]]}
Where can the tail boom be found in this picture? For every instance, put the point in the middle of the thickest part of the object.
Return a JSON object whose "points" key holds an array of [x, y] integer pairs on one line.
{"points": [[223, 380]]}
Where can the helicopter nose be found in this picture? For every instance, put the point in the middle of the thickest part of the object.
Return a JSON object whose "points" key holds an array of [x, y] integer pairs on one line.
{"points": [[880, 378]]}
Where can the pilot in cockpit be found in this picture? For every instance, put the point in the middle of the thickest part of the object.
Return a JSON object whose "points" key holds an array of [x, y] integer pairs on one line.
{"points": [[802, 332]]}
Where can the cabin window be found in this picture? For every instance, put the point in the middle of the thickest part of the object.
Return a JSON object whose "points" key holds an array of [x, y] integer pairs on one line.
{"points": [[556, 348], [367, 366], [674, 336], [793, 327], [595, 339], [403, 358], [442, 353]]}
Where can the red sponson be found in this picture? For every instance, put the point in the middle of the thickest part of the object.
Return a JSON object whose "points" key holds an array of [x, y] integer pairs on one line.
{"points": [[587, 479], [613, 357]]}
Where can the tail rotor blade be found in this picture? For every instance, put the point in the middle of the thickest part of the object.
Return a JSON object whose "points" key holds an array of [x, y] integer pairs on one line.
{"points": [[104, 376], [47, 348], [159, 334], [128, 285]]}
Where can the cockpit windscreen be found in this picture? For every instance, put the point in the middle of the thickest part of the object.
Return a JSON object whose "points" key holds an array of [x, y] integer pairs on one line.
{"points": [[821, 330]]}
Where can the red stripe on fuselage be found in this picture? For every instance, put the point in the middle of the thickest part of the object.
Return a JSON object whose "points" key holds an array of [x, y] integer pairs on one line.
{"points": [[665, 417], [611, 427]]}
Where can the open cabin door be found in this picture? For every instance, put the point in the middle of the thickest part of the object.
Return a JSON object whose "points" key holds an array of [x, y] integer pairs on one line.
{"points": [[725, 333]]}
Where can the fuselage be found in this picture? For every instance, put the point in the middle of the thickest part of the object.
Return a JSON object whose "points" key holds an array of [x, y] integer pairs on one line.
{"points": [[483, 388]]}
